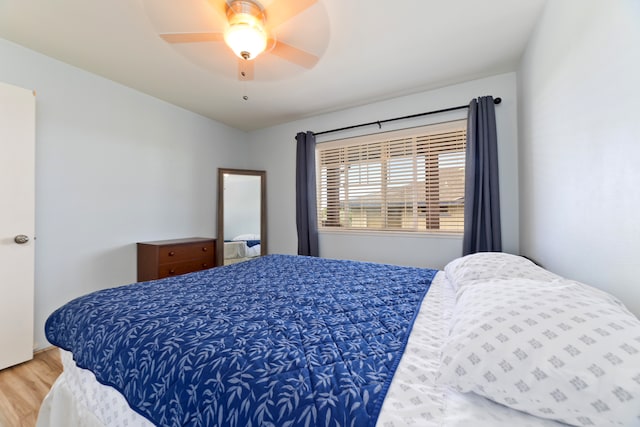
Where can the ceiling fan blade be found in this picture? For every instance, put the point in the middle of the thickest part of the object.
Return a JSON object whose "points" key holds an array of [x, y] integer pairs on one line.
{"points": [[280, 11], [245, 69], [192, 37], [295, 55]]}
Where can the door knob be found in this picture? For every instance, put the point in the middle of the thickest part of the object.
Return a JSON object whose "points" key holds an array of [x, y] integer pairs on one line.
{"points": [[21, 239]]}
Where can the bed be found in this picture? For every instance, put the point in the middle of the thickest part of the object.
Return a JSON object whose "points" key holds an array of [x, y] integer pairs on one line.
{"points": [[493, 340], [241, 248]]}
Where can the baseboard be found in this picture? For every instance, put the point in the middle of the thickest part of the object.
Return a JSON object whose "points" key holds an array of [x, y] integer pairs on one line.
{"points": [[42, 350]]}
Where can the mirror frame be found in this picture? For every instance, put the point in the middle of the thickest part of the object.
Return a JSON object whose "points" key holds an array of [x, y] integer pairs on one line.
{"points": [[263, 210]]}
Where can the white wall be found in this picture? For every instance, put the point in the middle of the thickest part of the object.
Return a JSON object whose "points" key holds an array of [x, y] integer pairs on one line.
{"points": [[273, 149], [113, 167], [580, 144]]}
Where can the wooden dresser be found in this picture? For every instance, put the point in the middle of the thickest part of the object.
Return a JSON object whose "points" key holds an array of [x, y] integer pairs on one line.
{"points": [[164, 258]]}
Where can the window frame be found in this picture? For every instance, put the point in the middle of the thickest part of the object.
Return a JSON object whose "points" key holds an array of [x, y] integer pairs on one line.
{"points": [[335, 222]]}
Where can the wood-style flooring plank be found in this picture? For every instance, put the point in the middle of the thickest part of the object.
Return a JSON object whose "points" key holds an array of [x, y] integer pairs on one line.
{"points": [[24, 386]]}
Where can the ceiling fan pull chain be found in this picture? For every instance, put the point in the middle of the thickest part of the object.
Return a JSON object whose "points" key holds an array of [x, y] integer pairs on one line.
{"points": [[245, 97]]}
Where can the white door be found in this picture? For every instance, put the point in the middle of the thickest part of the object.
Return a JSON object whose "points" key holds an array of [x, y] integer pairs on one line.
{"points": [[17, 223]]}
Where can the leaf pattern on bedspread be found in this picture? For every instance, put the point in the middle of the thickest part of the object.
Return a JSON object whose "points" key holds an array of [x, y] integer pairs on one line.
{"points": [[277, 341]]}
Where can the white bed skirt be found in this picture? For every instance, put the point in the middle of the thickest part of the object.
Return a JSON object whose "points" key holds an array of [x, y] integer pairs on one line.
{"points": [[60, 409], [77, 399]]}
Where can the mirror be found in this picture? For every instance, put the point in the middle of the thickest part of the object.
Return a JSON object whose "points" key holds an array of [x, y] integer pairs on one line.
{"points": [[242, 215]]}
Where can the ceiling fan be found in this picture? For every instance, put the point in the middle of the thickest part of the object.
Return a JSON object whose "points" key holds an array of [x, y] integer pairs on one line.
{"points": [[250, 31]]}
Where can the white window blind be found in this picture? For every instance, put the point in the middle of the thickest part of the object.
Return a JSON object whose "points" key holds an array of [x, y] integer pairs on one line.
{"points": [[408, 180]]}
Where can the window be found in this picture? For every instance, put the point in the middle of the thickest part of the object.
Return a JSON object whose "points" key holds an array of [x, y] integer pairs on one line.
{"points": [[410, 180]]}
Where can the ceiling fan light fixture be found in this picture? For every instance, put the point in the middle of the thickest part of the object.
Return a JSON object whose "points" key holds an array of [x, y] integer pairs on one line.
{"points": [[245, 35], [245, 41]]}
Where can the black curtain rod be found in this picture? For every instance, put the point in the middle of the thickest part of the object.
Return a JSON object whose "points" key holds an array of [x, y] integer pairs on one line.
{"points": [[379, 122]]}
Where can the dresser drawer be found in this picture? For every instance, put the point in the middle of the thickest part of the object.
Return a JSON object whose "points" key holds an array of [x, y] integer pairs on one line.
{"points": [[166, 270], [165, 258], [184, 251]]}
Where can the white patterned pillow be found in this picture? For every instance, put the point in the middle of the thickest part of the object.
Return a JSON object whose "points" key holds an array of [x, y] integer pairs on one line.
{"points": [[563, 351], [481, 266]]}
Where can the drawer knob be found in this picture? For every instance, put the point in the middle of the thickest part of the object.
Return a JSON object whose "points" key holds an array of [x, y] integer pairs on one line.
{"points": [[172, 271], [172, 253], [204, 249], [205, 265]]}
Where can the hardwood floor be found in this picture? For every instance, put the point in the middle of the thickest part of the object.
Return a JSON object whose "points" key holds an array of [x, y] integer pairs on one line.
{"points": [[24, 386]]}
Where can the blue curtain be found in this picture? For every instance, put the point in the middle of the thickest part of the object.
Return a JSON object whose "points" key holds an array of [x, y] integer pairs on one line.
{"points": [[482, 192], [306, 218]]}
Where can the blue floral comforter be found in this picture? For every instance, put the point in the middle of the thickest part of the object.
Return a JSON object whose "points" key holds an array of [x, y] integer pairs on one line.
{"points": [[276, 341]]}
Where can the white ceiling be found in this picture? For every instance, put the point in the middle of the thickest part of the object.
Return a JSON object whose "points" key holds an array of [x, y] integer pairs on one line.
{"points": [[369, 50]]}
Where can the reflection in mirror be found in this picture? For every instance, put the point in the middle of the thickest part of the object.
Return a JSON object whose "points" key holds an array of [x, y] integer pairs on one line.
{"points": [[241, 215]]}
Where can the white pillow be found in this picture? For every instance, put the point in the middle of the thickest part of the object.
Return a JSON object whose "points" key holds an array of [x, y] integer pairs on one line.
{"points": [[563, 351], [481, 266]]}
